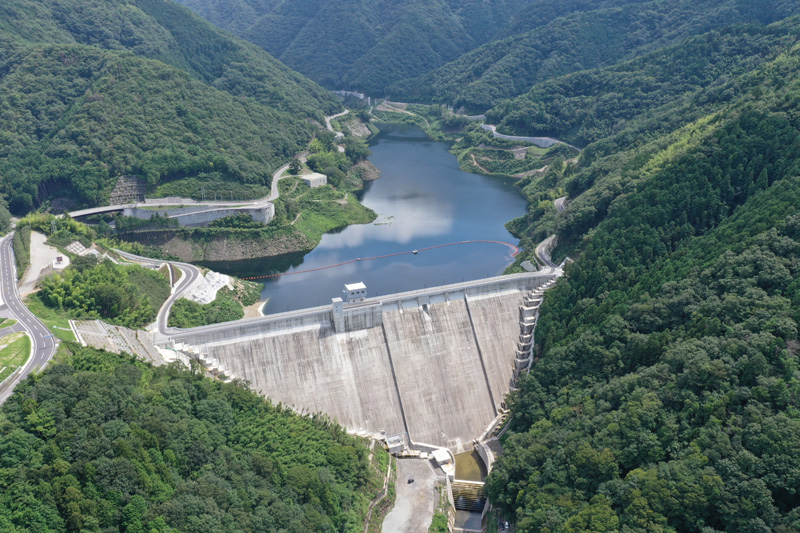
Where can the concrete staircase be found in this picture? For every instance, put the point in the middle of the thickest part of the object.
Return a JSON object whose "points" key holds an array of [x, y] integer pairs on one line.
{"points": [[210, 363]]}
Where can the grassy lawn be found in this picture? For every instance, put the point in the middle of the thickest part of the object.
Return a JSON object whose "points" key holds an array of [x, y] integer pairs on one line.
{"points": [[321, 209], [537, 150], [57, 322], [7, 323], [14, 351]]}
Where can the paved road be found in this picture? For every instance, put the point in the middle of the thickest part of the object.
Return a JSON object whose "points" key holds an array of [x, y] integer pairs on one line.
{"points": [[328, 122], [542, 142], [191, 275], [262, 322], [43, 343], [155, 203], [543, 252]]}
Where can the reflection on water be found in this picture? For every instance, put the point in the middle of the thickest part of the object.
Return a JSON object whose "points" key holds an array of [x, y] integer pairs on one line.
{"points": [[422, 199]]}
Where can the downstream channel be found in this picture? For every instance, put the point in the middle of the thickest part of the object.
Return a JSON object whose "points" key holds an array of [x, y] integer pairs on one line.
{"points": [[422, 199]]}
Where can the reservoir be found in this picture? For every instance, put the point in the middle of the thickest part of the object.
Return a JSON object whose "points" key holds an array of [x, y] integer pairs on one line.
{"points": [[422, 199]]}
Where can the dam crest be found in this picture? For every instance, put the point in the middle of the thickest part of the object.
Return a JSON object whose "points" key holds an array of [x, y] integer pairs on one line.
{"points": [[433, 365]]}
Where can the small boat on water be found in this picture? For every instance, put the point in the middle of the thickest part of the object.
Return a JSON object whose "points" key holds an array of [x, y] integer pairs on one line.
{"points": [[415, 252]]}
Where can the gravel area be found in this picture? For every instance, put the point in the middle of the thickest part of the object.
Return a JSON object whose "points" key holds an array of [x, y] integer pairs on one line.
{"points": [[415, 502], [42, 257]]}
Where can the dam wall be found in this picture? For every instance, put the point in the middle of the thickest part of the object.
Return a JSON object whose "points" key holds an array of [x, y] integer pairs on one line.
{"points": [[433, 364]]}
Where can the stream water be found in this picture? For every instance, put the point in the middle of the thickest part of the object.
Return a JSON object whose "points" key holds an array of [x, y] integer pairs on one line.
{"points": [[422, 199]]}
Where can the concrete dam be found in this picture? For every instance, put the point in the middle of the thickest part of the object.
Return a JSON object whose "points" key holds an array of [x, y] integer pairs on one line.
{"points": [[432, 364]]}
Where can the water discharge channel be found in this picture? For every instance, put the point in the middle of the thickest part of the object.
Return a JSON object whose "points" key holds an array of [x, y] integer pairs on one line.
{"points": [[423, 200]]}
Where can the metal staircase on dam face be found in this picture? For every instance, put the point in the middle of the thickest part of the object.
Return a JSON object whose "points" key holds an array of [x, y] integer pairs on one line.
{"points": [[528, 316]]}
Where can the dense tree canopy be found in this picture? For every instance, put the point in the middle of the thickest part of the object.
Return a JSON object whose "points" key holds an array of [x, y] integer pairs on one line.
{"points": [[361, 44], [667, 392], [582, 35], [127, 295], [93, 90], [101, 442]]}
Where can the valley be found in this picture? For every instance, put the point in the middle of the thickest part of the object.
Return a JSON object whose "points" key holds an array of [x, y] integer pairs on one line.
{"points": [[356, 265]]}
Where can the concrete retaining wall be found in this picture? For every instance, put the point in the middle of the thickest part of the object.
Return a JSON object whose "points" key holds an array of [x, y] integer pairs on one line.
{"points": [[542, 142], [194, 216]]}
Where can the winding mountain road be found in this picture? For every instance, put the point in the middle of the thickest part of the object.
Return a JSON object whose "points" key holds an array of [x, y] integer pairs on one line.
{"points": [[191, 275], [43, 344], [328, 122], [543, 251]]}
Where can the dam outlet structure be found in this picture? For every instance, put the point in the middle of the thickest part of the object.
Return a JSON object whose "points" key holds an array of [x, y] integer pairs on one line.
{"points": [[432, 365]]}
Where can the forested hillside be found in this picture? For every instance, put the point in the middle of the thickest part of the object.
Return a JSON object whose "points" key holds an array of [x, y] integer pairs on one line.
{"points": [[362, 44], [634, 117], [587, 35], [669, 353], [101, 442], [593, 105], [93, 90]]}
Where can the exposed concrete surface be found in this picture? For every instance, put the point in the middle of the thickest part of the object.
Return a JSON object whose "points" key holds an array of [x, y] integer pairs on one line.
{"points": [[496, 323], [415, 502], [435, 363], [346, 375], [42, 257], [439, 373]]}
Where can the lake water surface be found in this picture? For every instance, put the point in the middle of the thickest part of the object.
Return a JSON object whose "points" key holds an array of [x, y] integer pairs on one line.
{"points": [[422, 199]]}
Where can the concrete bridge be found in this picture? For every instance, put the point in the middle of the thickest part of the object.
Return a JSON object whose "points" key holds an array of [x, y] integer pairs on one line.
{"points": [[434, 364]]}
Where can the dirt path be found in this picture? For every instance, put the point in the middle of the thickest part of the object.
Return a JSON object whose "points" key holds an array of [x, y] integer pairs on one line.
{"points": [[478, 165], [390, 107], [532, 172]]}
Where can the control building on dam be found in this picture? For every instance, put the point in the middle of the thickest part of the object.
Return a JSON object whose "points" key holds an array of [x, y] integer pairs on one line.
{"points": [[433, 364]]}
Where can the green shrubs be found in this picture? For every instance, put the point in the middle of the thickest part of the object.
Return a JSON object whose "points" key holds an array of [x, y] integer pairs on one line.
{"points": [[189, 314], [126, 295], [21, 243], [226, 307]]}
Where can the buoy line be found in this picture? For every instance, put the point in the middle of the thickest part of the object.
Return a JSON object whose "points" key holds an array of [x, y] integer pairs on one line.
{"points": [[358, 259]]}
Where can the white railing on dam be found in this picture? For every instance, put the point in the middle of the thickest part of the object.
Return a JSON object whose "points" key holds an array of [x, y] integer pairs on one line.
{"points": [[323, 314]]}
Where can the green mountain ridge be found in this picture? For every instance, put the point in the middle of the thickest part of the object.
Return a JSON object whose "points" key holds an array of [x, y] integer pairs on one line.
{"points": [[668, 356], [579, 40], [588, 106], [361, 44], [84, 100]]}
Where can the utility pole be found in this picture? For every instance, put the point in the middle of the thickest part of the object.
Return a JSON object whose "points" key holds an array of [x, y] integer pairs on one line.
{"points": [[203, 192]]}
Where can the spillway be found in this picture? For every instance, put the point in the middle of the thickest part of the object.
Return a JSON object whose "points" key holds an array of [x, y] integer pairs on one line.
{"points": [[433, 364]]}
